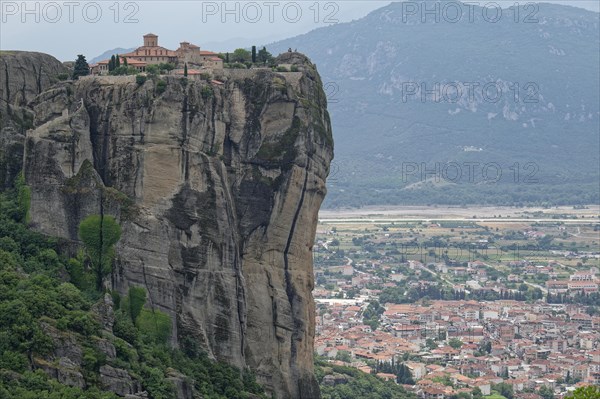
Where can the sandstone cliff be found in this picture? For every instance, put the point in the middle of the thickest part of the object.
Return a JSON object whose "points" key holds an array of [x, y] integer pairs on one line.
{"points": [[216, 184], [23, 75]]}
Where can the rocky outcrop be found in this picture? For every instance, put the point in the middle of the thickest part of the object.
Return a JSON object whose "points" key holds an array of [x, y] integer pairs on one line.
{"points": [[118, 381], [26, 74], [64, 371], [23, 75], [217, 184], [183, 388]]}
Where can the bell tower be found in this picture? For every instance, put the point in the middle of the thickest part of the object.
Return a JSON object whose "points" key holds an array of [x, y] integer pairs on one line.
{"points": [[150, 40]]}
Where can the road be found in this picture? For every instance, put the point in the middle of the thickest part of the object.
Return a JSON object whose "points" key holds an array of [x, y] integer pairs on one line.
{"points": [[437, 275]]}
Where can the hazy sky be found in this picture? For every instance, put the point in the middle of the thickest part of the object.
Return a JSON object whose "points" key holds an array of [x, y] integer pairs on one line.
{"points": [[66, 28]]}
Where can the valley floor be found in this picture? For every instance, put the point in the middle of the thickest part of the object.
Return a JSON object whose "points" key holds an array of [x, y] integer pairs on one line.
{"points": [[457, 212], [499, 302]]}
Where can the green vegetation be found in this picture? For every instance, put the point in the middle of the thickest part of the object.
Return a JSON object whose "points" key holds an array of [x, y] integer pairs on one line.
{"points": [[136, 298], [587, 392], [154, 325], [264, 56], [241, 55], [243, 59], [47, 298], [112, 63], [338, 382], [123, 70], [37, 385], [503, 390], [455, 343], [402, 372], [157, 69], [140, 79], [81, 67], [546, 392], [343, 356], [206, 92], [236, 65], [161, 86], [372, 313], [99, 234], [23, 197]]}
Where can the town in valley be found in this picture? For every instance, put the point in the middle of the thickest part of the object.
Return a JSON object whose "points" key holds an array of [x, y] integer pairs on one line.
{"points": [[462, 302]]}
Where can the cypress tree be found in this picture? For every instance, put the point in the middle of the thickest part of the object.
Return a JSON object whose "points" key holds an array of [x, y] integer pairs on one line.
{"points": [[125, 62], [81, 67], [185, 70], [253, 54], [111, 63], [227, 58], [117, 61]]}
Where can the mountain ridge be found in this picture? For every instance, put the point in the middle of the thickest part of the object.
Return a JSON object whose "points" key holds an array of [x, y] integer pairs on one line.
{"points": [[379, 68]]}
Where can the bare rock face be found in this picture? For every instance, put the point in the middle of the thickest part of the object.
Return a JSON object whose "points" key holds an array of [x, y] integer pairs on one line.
{"points": [[23, 75], [118, 381], [217, 185], [26, 74]]}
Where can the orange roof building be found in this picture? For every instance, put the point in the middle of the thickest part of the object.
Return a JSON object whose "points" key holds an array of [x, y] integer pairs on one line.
{"points": [[151, 53]]}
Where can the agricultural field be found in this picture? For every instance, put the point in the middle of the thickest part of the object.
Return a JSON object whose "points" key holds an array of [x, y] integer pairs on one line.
{"points": [[498, 248]]}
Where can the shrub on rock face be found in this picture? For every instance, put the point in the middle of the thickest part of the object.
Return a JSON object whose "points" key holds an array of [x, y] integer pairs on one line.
{"points": [[155, 325], [206, 92], [161, 86], [99, 234]]}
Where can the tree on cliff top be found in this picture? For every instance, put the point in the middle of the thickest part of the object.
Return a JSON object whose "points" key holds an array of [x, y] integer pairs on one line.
{"points": [[81, 67], [241, 55], [264, 56]]}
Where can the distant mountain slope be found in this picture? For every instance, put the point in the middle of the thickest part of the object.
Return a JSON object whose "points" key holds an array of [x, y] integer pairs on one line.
{"points": [[386, 125], [107, 54]]}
